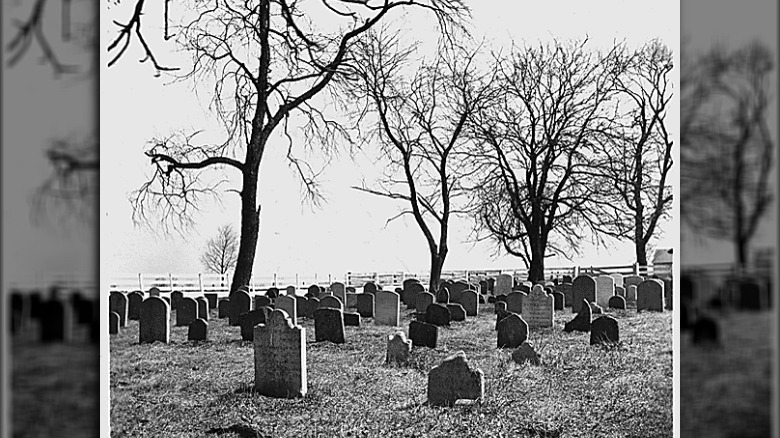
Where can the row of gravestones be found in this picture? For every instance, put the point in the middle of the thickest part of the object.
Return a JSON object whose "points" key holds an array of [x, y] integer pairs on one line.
{"points": [[57, 317]]}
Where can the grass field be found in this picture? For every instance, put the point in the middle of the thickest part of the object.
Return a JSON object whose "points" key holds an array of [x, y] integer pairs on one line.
{"points": [[190, 389], [727, 393]]}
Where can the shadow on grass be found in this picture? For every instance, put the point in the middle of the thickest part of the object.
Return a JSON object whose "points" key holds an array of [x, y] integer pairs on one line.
{"points": [[240, 430]]}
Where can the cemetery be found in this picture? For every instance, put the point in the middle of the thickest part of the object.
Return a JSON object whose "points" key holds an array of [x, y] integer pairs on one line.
{"points": [[416, 363]]}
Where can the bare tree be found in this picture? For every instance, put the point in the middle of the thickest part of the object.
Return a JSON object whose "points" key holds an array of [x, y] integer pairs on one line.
{"points": [[266, 62], [221, 251], [536, 149], [637, 152], [418, 122], [727, 149]]}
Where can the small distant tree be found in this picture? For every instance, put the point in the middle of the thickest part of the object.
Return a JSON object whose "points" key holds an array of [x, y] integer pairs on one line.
{"points": [[221, 251]]}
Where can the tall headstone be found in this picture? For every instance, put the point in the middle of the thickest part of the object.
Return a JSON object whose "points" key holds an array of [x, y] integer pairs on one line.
{"points": [[424, 299], [631, 294], [399, 349], [337, 289], [454, 379], [650, 295], [558, 300], [538, 308], [155, 322], [212, 299], [176, 296], [134, 301], [117, 302], [566, 290], [387, 308], [504, 283], [514, 302], [331, 302], [365, 305], [56, 321], [186, 312], [290, 306], [583, 288], [280, 357], [240, 302], [605, 288], [604, 330], [222, 308], [470, 301], [203, 308], [512, 331], [618, 278], [329, 325]]}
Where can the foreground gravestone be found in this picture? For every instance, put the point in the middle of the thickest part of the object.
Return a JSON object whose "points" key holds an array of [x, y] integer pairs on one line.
{"points": [[338, 290], [514, 302], [117, 302], [290, 306], [604, 330], [423, 334], [581, 322], [558, 300], [262, 301], [454, 380], [424, 299], [650, 295], [186, 312], [240, 302], [399, 349], [113, 323], [387, 308], [538, 308], [175, 297], [617, 302], [280, 357], [198, 330], [155, 322], [203, 308], [605, 288], [469, 299], [525, 353], [365, 305], [438, 314], [222, 308], [248, 320], [331, 302], [457, 312], [504, 283], [134, 301], [512, 331], [329, 325], [583, 288]]}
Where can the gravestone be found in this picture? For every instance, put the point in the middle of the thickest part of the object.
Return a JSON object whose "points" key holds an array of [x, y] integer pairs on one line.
{"points": [[498, 306], [113, 323], [262, 301], [289, 305], [512, 331], [117, 302], [331, 302], [351, 290], [212, 299], [749, 295], [596, 309], [186, 312], [605, 288], [630, 280], [175, 297], [504, 283], [351, 302], [514, 302], [248, 320], [650, 295], [280, 357], [337, 289], [706, 332], [620, 291], [300, 306], [581, 322], [501, 315], [558, 300], [291, 290], [525, 353], [617, 302], [154, 292], [56, 320], [413, 290], [20, 311], [424, 299], [329, 325], [351, 319], [365, 305], [438, 314], [222, 308], [454, 380], [312, 304], [240, 302], [272, 293], [631, 294], [538, 308], [618, 279], [583, 288], [457, 312], [370, 288], [469, 299], [604, 330], [568, 293], [399, 349], [134, 301], [443, 295], [423, 334], [198, 330], [566, 279], [155, 322], [387, 308], [457, 289], [203, 308]]}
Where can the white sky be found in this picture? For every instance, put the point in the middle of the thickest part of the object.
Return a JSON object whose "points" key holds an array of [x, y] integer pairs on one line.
{"points": [[348, 233]]}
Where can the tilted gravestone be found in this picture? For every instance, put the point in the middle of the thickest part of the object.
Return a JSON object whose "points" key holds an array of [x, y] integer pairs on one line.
{"points": [[454, 379], [331, 302], [438, 314], [512, 331], [240, 302], [117, 302], [423, 334], [351, 319], [583, 288], [134, 301], [650, 295], [457, 312], [337, 289], [222, 308], [525, 353], [469, 299], [203, 308], [605, 288], [604, 330], [538, 308], [248, 320], [504, 283], [399, 349], [113, 323], [387, 308], [617, 302], [289, 305], [581, 322], [424, 299], [155, 322], [280, 357], [514, 302], [198, 330], [186, 312], [365, 305], [329, 325]]}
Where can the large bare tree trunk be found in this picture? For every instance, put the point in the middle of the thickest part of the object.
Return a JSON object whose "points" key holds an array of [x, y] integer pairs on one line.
{"points": [[641, 253], [250, 228], [437, 262]]}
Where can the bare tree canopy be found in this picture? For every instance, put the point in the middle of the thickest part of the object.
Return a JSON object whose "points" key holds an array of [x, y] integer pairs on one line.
{"points": [[221, 251], [727, 149]]}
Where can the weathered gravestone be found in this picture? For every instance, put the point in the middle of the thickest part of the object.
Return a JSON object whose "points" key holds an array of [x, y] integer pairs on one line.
{"points": [[387, 308], [351, 302], [438, 314], [134, 301], [596, 309], [525, 353], [154, 292], [512, 331], [370, 288], [443, 295], [155, 322], [514, 302], [620, 291], [290, 306], [186, 312], [338, 290], [300, 306], [454, 380], [399, 349], [113, 323], [203, 308], [617, 302], [240, 302], [262, 301], [423, 334], [332, 302], [222, 308], [583, 288], [292, 290], [618, 279], [365, 305], [558, 300], [457, 289], [501, 314], [413, 290], [280, 357], [604, 330], [175, 297], [538, 309], [605, 288], [424, 299], [117, 302], [211, 298], [457, 312], [469, 299], [248, 320], [581, 322], [272, 293], [650, 295], [504, 283], [499, 306], [568, 293], [630, 280], [329, 325], [351, 319], [631, 294], [312, 304], [198, 330]]}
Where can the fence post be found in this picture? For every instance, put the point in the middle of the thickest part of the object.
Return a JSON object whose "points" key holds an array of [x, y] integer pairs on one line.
{"points": [[297, 283], [636, 268], [200, 282], [140, 282], [275, 284], [170, 281]]}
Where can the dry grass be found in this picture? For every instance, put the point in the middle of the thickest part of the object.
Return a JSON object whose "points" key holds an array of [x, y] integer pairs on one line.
{"points": [[190, 389]]}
